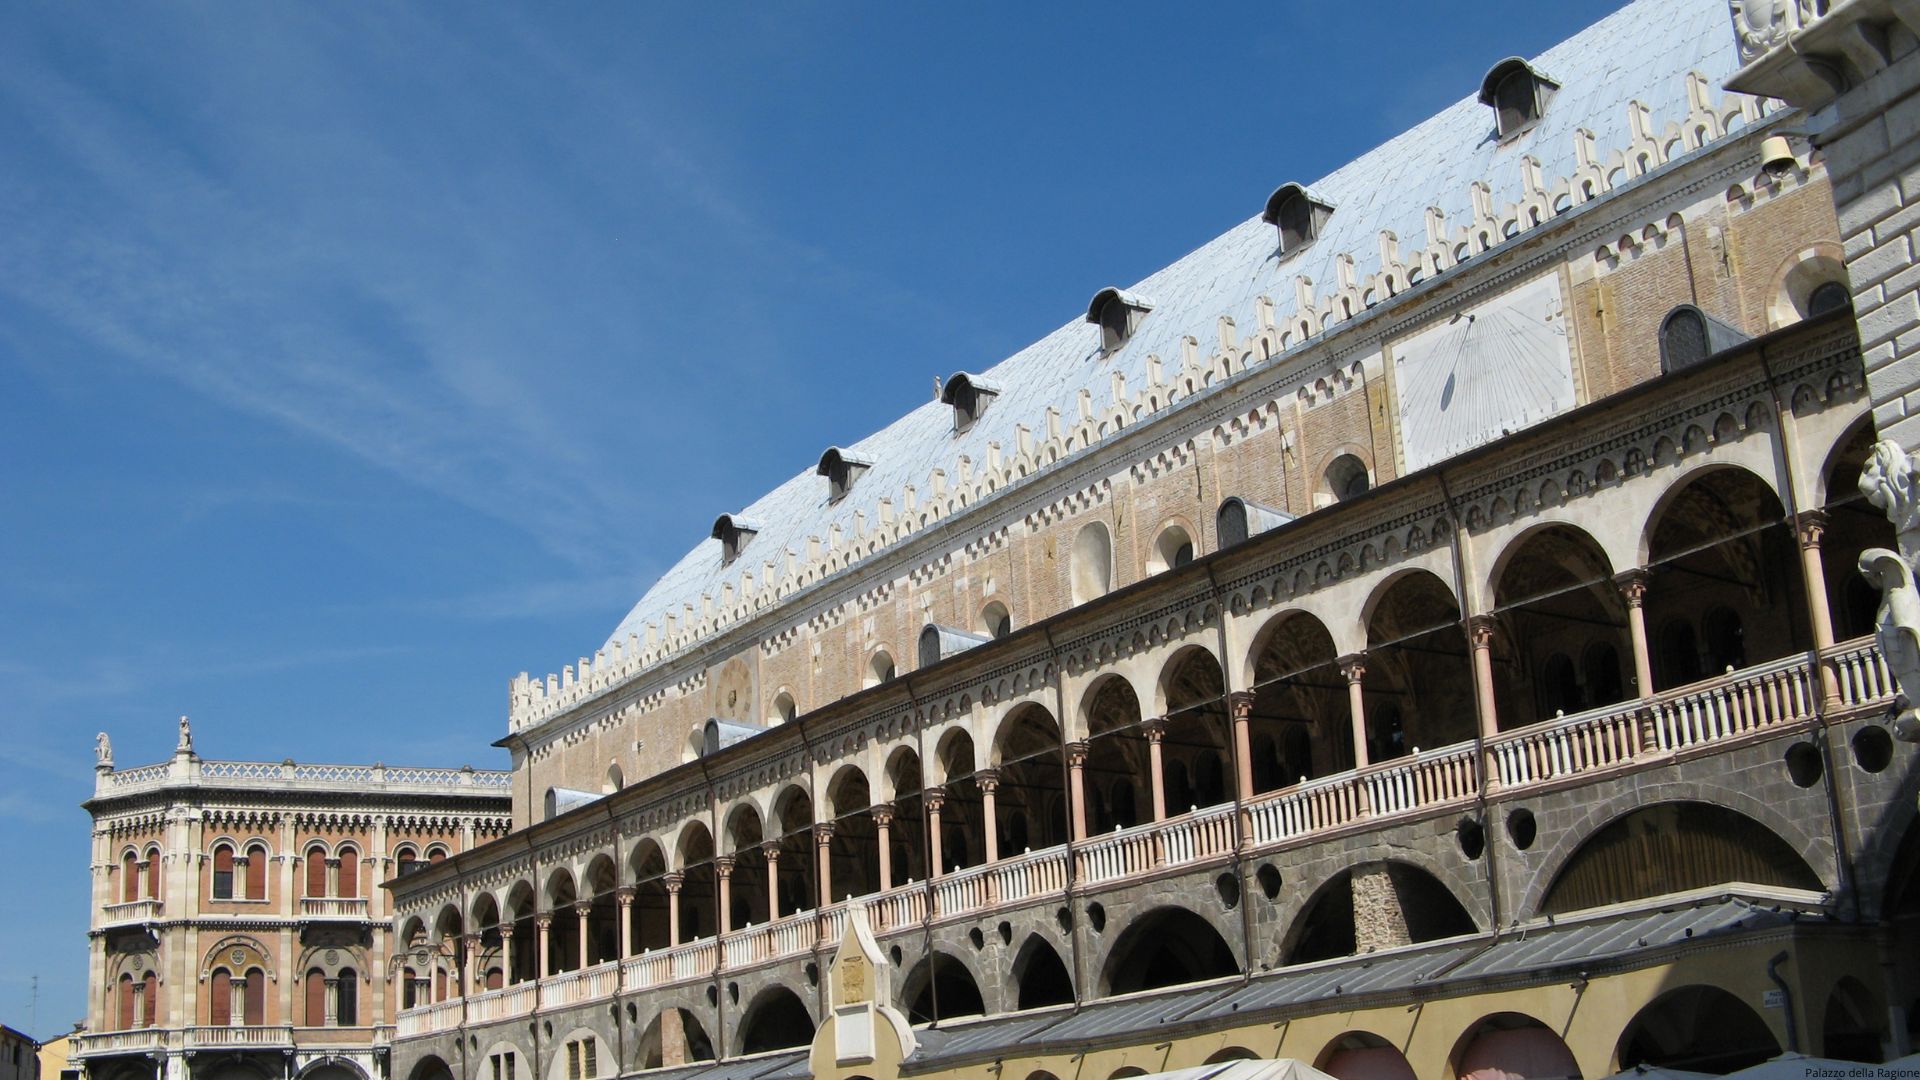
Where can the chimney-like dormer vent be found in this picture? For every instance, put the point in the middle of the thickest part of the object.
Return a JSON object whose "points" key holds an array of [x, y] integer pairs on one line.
{"points": [[733, 531], [1299, 214], [969, 395], [1117, 313], [1517, 94], [842, 468]]}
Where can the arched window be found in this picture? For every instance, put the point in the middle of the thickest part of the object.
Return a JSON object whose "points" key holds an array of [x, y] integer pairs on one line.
{"points": [[1117, 313], [1299, 217], [315, 998], [436, 854], [220, 998], [1172, 548], [223, 872], [254, 1005], [879, 668], [127, 1018], [995, 621], [257, 871], [346, 1005], [784, 709], [1683, 339], [129, 878], [1347, 478], [409, 988], [153, 873], [1828, 296], [349, 873], [150, 1008], [316, 871], [616, 779], [404, 860], [1517, 93], [1092, 563]]}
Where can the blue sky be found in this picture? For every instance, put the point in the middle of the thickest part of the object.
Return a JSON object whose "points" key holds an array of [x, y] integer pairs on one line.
{"points": [[355, 358]]}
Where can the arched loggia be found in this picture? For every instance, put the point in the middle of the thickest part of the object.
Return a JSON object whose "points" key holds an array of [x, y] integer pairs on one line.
{"points": [[650, 903], [1166, 947], [1563, 645], [1724, 589], [793, 848], [563, 929], [856, 868], [1199, 768], [1674, 847], [1417, 677], [1301, 723], [744, 841], [1031, 802], [961, 843], [519, 930], [603, 915], [1117, 767], [906, 833], [699, 893]]}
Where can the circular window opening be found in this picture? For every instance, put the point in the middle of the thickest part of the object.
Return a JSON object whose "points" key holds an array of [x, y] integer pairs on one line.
{"points": [[813, 974], [1006, 933], [1873, 748], [1473, 838], [979, 939], [1803, 764], [1096, 917], [1521, 828], [1228, 887], [1065, 918], [1269, 879]]}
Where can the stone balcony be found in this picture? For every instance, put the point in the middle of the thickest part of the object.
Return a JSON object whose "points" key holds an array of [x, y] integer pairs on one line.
{"points": [[1718, 716], [353, 908], [132, 912]]}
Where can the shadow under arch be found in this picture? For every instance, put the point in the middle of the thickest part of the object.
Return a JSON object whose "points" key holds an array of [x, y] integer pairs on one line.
{"points": [[1040, 975], [673, 1037], [1673, 847], [940, 987], [776, 1019], [1362, 1055], [430, 1067], [1698, 1028], [1167, 946], [1326, 927], [1510, 1044]]}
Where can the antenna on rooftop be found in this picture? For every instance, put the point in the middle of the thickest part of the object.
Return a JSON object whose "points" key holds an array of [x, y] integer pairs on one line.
{"points": [[33, 1006]]}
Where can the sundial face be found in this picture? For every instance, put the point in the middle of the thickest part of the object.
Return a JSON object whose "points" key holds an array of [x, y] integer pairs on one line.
{"points": [[1486, 372]]}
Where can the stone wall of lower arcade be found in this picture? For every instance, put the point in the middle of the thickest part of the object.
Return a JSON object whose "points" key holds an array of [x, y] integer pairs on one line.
{"points": [[1614, 659]]}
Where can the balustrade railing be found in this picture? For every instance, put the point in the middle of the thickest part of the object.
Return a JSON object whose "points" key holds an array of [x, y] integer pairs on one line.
{"points": [[132, 911], [122, 1042], [1718, 710], [333, 907], [279, 1035]]}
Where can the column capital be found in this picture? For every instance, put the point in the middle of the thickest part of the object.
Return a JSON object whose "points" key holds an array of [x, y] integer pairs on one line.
{"points": [[583, 908], [771, 850], [934, 798], [673, 881], [882, 814], [1077, 754], [1480, 629], [1154, 728], [1240, 702], [1353, 666], [1632, 585], [542, 920], [471, 941], [1810, 527], [823, 833], [723, 865], [988, 779], [624, 895]]}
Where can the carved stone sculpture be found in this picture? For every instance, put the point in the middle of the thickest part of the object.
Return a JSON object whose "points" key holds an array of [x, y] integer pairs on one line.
{"points": [[1763, 25], [102, 751], [1887, 481], [185, 744]]}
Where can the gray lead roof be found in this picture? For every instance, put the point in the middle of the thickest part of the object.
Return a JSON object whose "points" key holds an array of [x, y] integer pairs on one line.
{"points": [[1644, 53]]}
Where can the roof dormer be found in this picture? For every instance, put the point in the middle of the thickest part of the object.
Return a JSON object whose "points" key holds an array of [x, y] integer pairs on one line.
{"points": [[969, 395], [1299, 215], [1517, 94], [841, 468], [1117, 313], [733, 531]]}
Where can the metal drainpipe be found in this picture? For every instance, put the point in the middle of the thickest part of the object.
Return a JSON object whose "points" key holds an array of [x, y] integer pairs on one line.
{"points": [[1460, 586], [1793, 1028], [1237, 861], [1066, 776], [1842, 858]]}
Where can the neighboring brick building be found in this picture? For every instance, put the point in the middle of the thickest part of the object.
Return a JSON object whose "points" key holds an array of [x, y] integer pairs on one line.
{"points": [[239, 930]]}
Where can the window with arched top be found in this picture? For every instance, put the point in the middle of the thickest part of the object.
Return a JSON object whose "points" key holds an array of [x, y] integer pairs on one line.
{"points": [[256, 875], [784, 709], [254, 1001], [879, 668], [615, 780], [153, 873], [1092, 562], [346, 1004], [316, 871], [150, 1008], [223, 872], [220, 998], [1828, 296], [1298, 215], [1683, 339], [125, 1003], [1517, 94], [314, 998], [995, 621], [1347, 478], [1172, 548], [437, 854], [406, 861], [349, 880], [129, 878]]}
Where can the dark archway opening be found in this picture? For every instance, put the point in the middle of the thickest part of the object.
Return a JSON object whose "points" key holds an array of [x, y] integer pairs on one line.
{"points": [[1042, 977], [939, 988], [776, 1020], [1301, 726], [1167, 947], [1699, 1029], [1674, 847]]}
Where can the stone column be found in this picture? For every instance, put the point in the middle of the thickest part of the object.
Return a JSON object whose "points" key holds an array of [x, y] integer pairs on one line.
{"points": [[935, 799], [399, 988], [1240, 703], [506, 954], [883, 831], [330, 1007], [236, 1001], [1810, 527], [1633, 589], [823, 859], [582, 911], [772, 851], [1354, 667], [1480, 629], [673, 883], [623, 897], [989, 781], [1155, 728], [542, 929], [1077, 786], [470, 975], [723, 892], [1379, 921]]}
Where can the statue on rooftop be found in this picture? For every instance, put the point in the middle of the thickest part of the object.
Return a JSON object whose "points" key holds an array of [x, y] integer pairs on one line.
{"points": [[102, 751], [185, 746]]}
